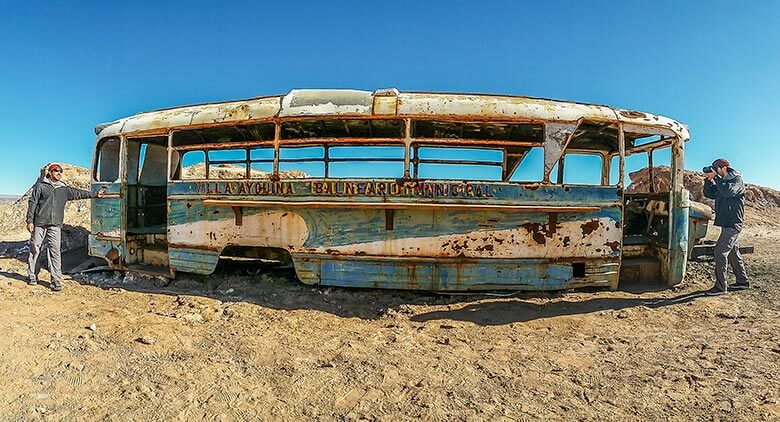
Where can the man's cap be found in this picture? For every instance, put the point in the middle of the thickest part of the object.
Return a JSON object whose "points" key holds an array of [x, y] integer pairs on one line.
{"points": [[54, 166], [721, 162]]}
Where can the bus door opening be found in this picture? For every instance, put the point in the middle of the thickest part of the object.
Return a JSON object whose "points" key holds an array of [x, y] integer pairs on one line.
{"points": [[146, 204]]}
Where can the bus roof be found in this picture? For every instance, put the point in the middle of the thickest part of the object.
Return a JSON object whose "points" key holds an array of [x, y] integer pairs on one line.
{"points": [[384, 103]]}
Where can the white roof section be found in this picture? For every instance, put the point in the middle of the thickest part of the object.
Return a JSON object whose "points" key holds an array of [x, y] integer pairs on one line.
{"points": [[384, 103]]}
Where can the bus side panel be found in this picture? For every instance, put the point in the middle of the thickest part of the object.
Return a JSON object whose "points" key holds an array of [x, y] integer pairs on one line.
{"points": [[466, 233], [678, 238], [106, 212], [432, 249], [427, 274], [192, 260], [106, 223]]}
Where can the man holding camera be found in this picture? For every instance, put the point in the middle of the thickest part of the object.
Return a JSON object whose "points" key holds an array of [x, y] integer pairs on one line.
{"points": [[725, 186]]}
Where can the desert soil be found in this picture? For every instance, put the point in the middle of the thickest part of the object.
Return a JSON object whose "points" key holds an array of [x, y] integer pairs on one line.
{"points": [[235, 346]]}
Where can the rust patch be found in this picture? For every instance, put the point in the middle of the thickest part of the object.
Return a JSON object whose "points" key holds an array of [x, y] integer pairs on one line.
{"points": [[487, 247], [112, 254], [589, 227], [632, 114], [566, 241], [552, 224], [537, 231], [540, 231], [615, 246]]}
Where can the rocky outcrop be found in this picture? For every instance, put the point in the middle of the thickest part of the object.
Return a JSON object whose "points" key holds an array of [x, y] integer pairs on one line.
{"points": [[755, 196]]}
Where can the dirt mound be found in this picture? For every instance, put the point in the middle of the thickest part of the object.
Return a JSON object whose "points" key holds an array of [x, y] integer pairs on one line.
{"points": [[755, 197], [12, 215]]}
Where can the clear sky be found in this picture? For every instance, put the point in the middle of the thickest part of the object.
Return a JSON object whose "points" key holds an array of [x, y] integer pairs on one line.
{"points": [[66, 66]]}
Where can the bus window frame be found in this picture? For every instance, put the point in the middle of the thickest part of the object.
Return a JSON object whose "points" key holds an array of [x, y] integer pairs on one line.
{"points": [[326, 159], [414, 143], [649, 149], [416, 160], [589, 152], [97, 156], [410, 144]]}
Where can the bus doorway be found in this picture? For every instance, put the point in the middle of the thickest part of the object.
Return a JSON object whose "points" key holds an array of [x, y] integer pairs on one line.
{"points": [[146, 205]]}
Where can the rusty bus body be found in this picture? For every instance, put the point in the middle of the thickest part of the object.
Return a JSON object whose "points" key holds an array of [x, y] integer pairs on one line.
{"points": [[408, 231]]}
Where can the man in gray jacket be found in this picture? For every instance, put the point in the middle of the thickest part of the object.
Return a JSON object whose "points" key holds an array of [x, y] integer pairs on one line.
{"points": [[45, 213], [725, 186]]}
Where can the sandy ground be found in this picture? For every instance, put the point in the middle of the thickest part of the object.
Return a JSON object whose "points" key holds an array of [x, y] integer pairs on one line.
{"points": [[263, 347]]}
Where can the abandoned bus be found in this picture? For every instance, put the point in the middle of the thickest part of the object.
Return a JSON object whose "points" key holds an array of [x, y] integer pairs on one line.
{"points": [[432, 191]]}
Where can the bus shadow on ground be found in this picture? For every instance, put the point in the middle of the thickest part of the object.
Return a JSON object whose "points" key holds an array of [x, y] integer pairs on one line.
{"points": [[507, 312], [278, 288]]}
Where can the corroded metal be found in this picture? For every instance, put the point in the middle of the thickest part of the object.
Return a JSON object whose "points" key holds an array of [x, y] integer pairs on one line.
{"points": [[401, 233], [336, 102]]}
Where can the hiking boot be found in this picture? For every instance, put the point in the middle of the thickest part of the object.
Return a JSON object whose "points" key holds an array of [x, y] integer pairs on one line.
{"points": [[715, 292], [740, 286], [56, 287]]}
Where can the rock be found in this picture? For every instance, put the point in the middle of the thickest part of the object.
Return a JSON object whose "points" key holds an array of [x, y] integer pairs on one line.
{"points": [[145, 340], [92, 327]]}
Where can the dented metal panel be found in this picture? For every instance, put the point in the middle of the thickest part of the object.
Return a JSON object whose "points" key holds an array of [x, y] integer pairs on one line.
{"points": [[259, 109], [163, 119], [646, 119], [555, 137], [499, 107], [318, 102]]}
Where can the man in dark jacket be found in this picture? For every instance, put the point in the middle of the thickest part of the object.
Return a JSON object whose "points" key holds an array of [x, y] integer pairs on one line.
{"points": [[45, 213], [725, 186]]}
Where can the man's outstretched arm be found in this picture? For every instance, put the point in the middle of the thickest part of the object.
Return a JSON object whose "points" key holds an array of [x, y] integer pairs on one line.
{"points": [[76, 193]]}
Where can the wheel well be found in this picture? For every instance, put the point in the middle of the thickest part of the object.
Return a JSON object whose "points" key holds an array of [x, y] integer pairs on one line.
{"points": [[258, 253]]}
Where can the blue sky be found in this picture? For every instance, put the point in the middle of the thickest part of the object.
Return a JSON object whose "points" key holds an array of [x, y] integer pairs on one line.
{"points": [[66, 66]]}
